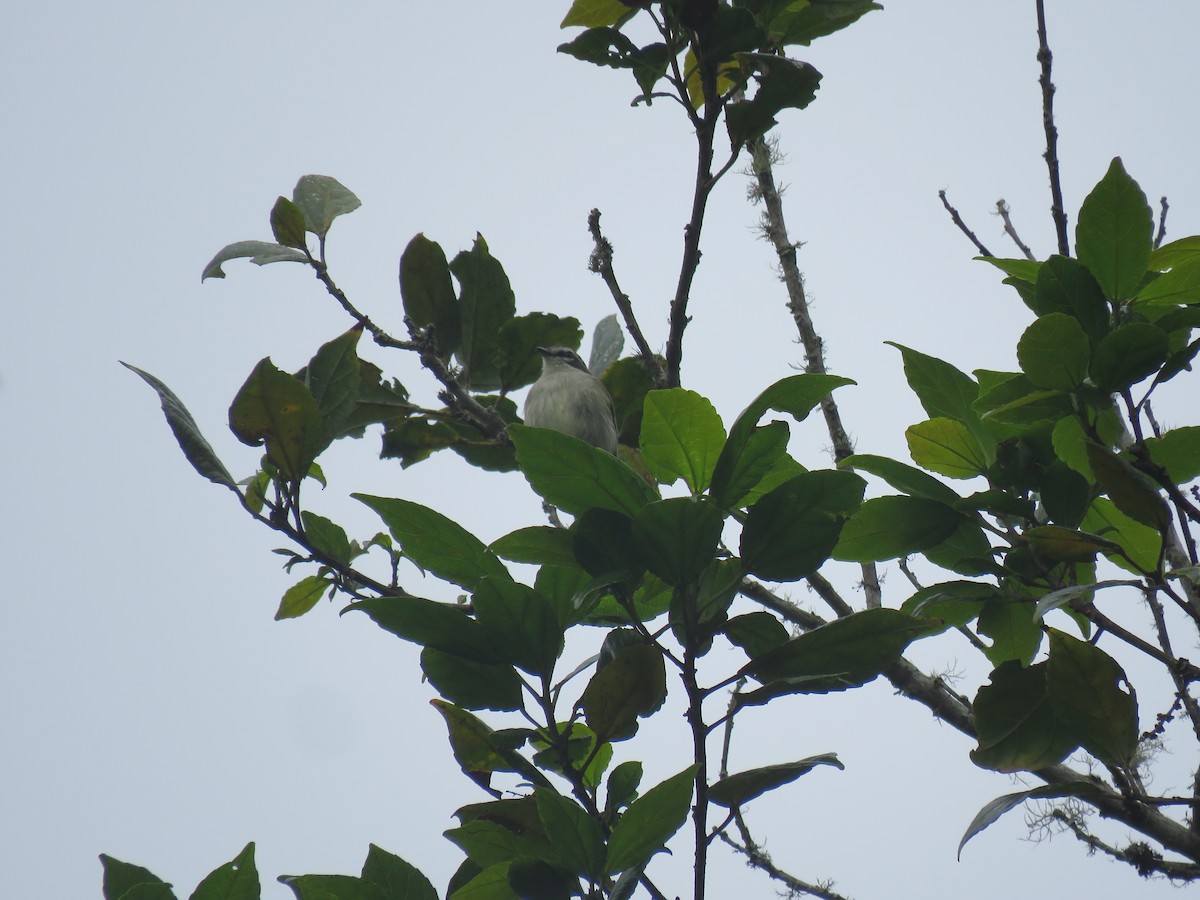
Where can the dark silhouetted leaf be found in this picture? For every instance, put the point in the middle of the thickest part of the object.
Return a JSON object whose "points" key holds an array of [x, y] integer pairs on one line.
{"points": [[1113, 237], [742, 787], [650, 821]]}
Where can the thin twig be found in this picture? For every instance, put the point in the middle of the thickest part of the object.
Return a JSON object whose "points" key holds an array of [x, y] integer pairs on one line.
{"points": [[1003, 211], [1143, 858], [758, 859], [1162, 222], [962, 226], [1045, 58], [600, 262]]}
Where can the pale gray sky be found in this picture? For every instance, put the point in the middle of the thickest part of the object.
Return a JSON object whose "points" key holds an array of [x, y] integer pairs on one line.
{"points": [[152, 709]]}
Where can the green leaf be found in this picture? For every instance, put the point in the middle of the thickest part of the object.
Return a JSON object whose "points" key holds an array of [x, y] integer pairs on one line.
{"points": [[955, 603], [967, 551], [1014, 629], [628, 381], [1132, 492], [742, 787], [398, 879], [1176, 253], [322, 199], [519, 621], [195, 448], [682, 436], [594, 13], [889, 527], [623, 784], [287, 224], [993, 810], [756, 632], [301, 597], [1054, 352], [575, 476], [576, 837], [802, 23], [471, 684], [855, 648], [1141, 543], [334, 376], [537, 545], [736, 475], [326, 536], [1177, 451], [782, 84], [1083, 683], [487, 303], [491, 883], [478, 750], [260, 253], [235, 880], [1114, 235], [437, 543], [1179, 286], [791, 530], [428, 293], [633, 685], [796, 395], [677, 538], [944, 391], [946, 446], [330, 887], [430, 624], [517, 359], [120, 877], [277, 409], [1128, 355], [1065, 286], [902, 477], [1015, 722], [650, 821], [1025, 270], [1055, 544]]}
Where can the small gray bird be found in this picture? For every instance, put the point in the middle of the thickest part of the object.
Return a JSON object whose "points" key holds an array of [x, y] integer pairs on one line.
{"points": [[569, 399]]}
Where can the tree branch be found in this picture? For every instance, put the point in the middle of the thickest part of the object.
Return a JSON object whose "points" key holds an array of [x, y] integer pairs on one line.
{"points": [[1045, 58], [962, 226], [600, 262], [1003, 211]]}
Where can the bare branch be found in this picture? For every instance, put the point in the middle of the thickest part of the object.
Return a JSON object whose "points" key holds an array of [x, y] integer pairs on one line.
{"points": [[600, 262], [1045, 58], [1002, 210], [962, 226], [1163, 206]]}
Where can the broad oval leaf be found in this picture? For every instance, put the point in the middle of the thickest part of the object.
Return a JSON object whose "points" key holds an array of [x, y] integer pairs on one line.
{"points": [[632, 685], [278, 410], [322, 199], [889, 527], [1054, 352], [1083, 683], [1016, 725], [1113, 237], [682, 436], [856, 648], [1132, 492], [677, 538], [437, 543], [650, 821], [575, 476], [946, 446], [792, 529], [428, 294], [471, 684], [1129, 354]]}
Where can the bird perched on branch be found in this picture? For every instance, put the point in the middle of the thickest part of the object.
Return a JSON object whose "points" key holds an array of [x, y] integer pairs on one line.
{"points": [[569, 399]]}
